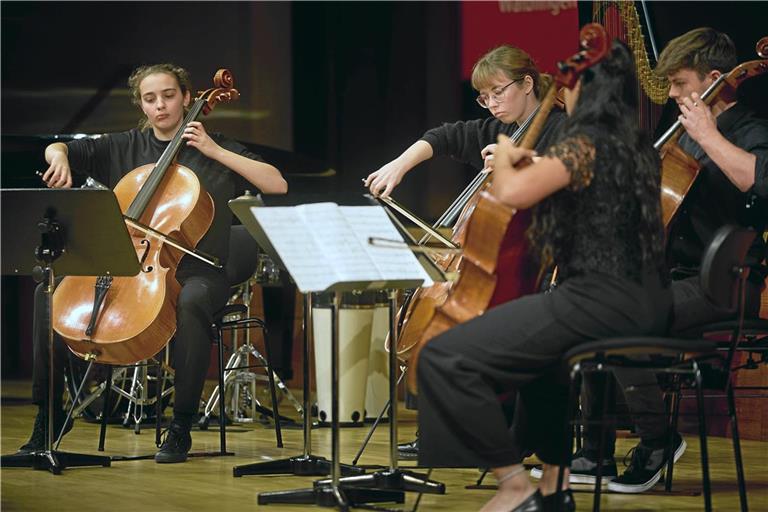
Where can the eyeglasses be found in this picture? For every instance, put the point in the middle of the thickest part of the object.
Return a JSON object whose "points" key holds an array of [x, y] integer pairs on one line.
{"points": [[498, 95]]}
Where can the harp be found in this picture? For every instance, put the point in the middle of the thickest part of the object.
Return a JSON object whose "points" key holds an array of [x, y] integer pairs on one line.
{"points": [[623, 22]]}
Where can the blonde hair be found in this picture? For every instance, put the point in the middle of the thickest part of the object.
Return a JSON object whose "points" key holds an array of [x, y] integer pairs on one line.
{"points": [[701, 49], [514, 63], [134, 81]]}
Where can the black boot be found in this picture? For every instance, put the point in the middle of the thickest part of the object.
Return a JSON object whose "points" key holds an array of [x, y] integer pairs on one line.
{"points": [[176, 444], [37, 441]]}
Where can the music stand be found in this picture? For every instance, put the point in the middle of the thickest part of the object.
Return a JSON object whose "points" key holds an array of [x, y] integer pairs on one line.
{"points": [[305, 464], [392, 478], [77, 232], [386, 485]]}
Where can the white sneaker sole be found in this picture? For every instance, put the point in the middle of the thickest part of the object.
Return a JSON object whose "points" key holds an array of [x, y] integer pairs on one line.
{"points": [[638, 488], [589, 479], [576, 479]]}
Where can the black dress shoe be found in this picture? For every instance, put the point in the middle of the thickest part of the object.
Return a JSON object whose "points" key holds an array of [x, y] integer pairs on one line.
{"points": [[532, 503], [549, 503], [408, 451]]}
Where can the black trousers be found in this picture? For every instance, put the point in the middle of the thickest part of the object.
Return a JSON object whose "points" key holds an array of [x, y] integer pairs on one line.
{"points": [[202, 294], [517, 346], [641, 388]]}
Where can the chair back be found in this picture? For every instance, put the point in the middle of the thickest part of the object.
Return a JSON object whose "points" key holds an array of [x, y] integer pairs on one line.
{"points": [[722, 267], [243, 255]]}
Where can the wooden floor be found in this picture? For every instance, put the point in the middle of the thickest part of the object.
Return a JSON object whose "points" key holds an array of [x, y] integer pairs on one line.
{"points": [[208, 484]]}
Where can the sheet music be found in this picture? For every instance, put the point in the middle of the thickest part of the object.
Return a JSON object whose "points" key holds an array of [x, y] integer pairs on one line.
{"points": [[392, 263], [322, 244], [285, 228]]}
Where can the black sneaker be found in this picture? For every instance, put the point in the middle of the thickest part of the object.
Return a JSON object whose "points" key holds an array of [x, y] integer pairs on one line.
{"points": [[176, 444], [645, 468], [37, 441], [584, 469], [408, 451]]}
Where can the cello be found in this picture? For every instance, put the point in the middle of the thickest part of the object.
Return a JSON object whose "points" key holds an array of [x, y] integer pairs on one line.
{"points": [[678, 169], [122, 320], [417, 309], [481, 267]]}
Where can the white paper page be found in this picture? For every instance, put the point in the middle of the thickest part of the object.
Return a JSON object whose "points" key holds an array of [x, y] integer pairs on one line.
{"points": [[338, 243], [293, 241], [392, 263]]}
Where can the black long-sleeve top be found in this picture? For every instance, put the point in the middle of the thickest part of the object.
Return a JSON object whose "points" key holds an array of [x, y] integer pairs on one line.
{"points": [[714, 200], [110, 157], [464, 140]]}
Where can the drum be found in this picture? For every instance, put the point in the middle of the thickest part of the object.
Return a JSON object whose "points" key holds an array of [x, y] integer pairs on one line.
{"points": [[377, 389], [355, 320]]}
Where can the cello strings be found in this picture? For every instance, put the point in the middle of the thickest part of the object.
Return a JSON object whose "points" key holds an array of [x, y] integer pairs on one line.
{"points": [[460, 202]]}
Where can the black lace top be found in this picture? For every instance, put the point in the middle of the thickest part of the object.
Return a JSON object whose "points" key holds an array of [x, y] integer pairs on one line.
{"points": [[593, 225]]}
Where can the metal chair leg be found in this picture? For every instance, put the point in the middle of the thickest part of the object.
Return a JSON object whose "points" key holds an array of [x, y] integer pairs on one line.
{"points": [[222, 408], [570, 411], [273, 392], [737, 449], [106, 408], [703, 441], [671, 443], [607, 396]]}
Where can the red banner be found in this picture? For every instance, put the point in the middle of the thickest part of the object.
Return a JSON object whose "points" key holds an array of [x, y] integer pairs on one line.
{"points": [[547, 30]]}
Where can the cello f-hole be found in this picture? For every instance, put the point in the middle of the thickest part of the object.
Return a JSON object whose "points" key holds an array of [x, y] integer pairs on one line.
{"points": [[144, 256]]}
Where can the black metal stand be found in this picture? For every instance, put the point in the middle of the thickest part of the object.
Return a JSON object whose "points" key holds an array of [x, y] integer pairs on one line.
{"points": [[50, 459], [392, 478], [84, 254], [331, 493], [387, 485], [377, 421], [305, 464]]}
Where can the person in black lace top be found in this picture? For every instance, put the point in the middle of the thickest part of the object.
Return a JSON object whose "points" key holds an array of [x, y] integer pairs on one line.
{"points": [[596, 216], [731, 145]]}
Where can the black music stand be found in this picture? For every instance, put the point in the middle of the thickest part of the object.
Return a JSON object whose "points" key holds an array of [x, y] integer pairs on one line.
{"points": [[305, 464], [79, 232], [392, 478], [390, 484]]}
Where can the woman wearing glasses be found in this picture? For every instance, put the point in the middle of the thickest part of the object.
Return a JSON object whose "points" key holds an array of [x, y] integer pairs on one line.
{"points": [[510, 87]]}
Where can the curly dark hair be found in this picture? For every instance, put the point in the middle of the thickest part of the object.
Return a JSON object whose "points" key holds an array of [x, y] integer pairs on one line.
{"points": [[134, 81], [606, 111]]}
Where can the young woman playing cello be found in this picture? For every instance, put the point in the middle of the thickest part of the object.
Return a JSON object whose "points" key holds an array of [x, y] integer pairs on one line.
{"points": [[223, 167], [510, 87]]}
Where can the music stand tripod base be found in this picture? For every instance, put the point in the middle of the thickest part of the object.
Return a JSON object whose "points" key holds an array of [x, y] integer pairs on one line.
{"points": [[302, 465], [388, 479], [53, 461], [325, 497]]}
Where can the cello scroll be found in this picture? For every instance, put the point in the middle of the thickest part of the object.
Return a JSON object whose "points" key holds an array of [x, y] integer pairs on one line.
{"points": [[222, 92]]}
